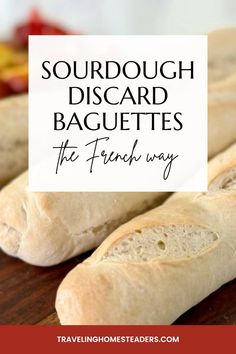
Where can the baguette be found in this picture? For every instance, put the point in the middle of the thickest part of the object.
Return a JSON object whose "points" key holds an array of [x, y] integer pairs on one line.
{"points": [[37, 228], [222, 90], [26, 218], [155, 267], [221, 115], [13, 137], [45, 229], [221, 54]]}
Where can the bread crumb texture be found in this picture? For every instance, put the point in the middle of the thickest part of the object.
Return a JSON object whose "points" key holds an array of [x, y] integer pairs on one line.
{"points": [[163, 242]]}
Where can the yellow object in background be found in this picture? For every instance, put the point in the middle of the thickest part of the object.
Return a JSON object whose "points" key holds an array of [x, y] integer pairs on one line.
{"points": [[13, 70], [6, 56]]}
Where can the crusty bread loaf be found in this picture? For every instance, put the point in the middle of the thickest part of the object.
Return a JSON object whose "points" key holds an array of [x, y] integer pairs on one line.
{"points": [[221, 54], [47, 228], [221, 115], [158, 265], [13, 137], [222, 90], [38, 228]]}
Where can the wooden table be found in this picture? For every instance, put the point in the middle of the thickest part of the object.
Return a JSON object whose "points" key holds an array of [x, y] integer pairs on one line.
{"points": [[27, 296]]}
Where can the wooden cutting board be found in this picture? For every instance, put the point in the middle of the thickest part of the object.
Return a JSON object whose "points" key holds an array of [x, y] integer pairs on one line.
{"points": [[27, 296]]}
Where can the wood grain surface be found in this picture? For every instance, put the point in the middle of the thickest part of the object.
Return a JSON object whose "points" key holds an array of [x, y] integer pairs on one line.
{"points": [[27, 296]]}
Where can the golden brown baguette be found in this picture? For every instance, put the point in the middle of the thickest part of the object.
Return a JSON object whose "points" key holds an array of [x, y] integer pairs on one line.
{"points": [[221, 54], [155, 267], [20, 220], [221, 115], [48, 228], [222, 90]]}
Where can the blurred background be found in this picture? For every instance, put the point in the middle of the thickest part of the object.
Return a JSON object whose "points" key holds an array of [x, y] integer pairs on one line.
{"points": [[124, 16], [19, 18]]}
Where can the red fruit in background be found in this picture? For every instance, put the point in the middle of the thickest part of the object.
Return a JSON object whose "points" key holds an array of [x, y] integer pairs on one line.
{"points": [[13, 55], [18, 84], [16, 78], [36, 25], [4, 89]]}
